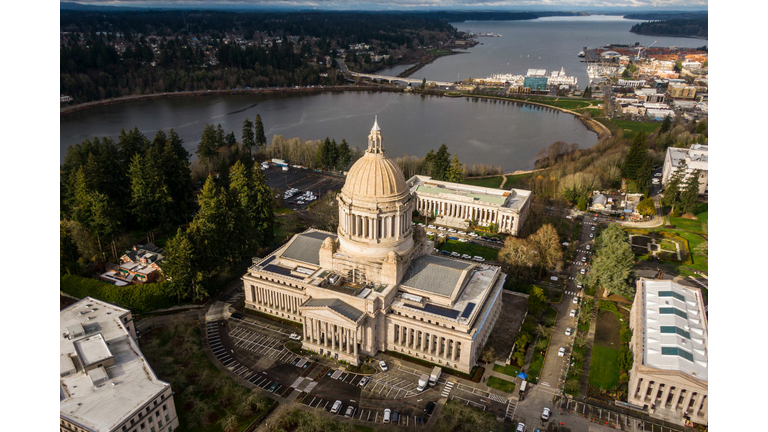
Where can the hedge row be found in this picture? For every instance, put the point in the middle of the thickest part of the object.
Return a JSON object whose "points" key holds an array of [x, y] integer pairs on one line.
{"points": [[136, 298]]}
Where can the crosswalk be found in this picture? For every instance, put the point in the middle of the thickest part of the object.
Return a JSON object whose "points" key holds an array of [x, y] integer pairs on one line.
{"points": [[497, 398], [447, 389], [573, 293]]}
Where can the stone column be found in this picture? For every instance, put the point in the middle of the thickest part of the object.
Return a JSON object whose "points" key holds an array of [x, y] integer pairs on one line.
{"points": [[354, 344], [687, 400], [328, 336], [456, 350], [425, 348], [665, 394]]}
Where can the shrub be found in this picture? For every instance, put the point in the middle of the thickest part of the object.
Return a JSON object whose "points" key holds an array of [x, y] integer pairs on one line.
{"points": [[136, 298], [623, 378]]}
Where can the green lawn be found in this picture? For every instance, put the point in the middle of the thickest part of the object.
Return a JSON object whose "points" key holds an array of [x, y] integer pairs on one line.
{"points": [[489, 182], [702, 215], [501, 384], [517, 180], [604, 368], [458, 417], [507, 370], [631, 128], [470, 249]]}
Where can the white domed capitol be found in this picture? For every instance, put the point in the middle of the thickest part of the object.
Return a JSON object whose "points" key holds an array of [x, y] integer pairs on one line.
{"points": [[374, 285]]}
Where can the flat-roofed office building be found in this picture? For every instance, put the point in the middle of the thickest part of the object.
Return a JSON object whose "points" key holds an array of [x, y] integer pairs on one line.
{"points": [[459, 205], [670, 372], [373, 285], [106, 383]]}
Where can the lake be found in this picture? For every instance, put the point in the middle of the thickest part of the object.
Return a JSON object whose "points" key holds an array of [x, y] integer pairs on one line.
{"points": [[506, 134]]}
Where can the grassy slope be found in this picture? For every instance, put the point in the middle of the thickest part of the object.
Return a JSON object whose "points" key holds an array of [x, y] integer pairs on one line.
{"points": [[604, 367]]}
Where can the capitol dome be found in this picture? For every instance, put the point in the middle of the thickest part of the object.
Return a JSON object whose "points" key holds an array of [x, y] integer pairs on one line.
{"points": [[375, 177], [375, 205]]}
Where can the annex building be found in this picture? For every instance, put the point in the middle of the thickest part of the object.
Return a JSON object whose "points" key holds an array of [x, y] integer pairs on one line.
{"points": [[374, 285], [670, 372], [459, 206], [695, 158], [106, 385]]}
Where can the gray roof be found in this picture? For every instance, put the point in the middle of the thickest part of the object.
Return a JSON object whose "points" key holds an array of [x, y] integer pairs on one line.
{"points": [[435, 274], [306, 247], [337, 306]]}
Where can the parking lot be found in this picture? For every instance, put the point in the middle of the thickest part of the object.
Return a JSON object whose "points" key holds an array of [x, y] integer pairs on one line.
{"points": [[613, 419], [405, 417], [303, 180]]}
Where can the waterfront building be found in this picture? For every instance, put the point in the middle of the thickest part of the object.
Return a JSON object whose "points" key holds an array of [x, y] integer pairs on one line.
{"points": [[696, 158], [374, 285], [105, 382], [459, 205], [535, 83], [669, 375]]}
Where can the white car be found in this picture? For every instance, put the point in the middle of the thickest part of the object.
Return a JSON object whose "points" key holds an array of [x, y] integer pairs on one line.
{"points": [[561, 352], [579, 286], [520, 427], [657, 175], [294, 336], [582, 271], [363, 382], [568, 331], [583, 259], [431, 227], [336, 407], [441, 228], [387, 415], [462, 233], [478, 258], [451, 230], [383, 366], [591, 235], [467, 257], [575, 300], [455, 254], [545, 414], [588, 247], [441, 235], [472, 234], [430, 233], [573, 313], [463, 240]]}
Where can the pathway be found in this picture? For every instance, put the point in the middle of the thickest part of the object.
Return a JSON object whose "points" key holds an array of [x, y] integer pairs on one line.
{"points": [[584, 387]]}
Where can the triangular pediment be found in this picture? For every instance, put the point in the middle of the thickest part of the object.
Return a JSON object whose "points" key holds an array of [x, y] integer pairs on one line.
{"points": [[327, 315]]}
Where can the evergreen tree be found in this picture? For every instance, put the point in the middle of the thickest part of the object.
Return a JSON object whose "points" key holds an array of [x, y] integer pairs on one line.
{"points": [[210, 229], [455, 170], [260, 138], [672, 191], [207, 150], [250, 201], [441, 163], [230, 139], [179, 268], [644, 176], [588, 92], [220, 140], [646, 207], [345, 155], [612, 265], [103, 219], [665, 125], [248, 137], [151, 203], [638, 153], [690, 195]]}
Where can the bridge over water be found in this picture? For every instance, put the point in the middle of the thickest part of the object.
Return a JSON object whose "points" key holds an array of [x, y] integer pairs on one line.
{"points": [[391, 78]]}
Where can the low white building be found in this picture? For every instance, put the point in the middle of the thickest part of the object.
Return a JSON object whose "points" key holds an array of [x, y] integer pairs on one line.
{"points": [[105, 383], [670, 372], [459, 205], [695, 158]]}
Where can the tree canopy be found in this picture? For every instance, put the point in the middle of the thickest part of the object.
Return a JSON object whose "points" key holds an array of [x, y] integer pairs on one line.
{"points": [[613, 262]]}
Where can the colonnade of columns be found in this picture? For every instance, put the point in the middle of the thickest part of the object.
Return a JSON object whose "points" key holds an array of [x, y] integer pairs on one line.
{"points": [[275, 300], [481, 214], [681, 398], [423, 342], [376, 227], [332, 336]]}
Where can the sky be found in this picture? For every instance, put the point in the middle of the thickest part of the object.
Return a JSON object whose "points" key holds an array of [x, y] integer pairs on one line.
{"points": [[421, 4]]}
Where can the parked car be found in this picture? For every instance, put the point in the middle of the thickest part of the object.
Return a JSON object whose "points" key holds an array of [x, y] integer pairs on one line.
{"points": [[520, 427], [294, 336], [383, 366], [472, 234], [588, 247], [395, 416], [455, 254], [582, 271], [431, 226], [441, 228], [336, 407], [561, 352], [451, 230], [465, 256], [237, 315], [591, 235], [363, 382], [273, 387], [463, 240], [350, 411], [583, 259], [545, 414], [573, 313], [387, 415], [568, 331], [575, 300], [441, 235], [445, 252], [478, 258], [593, 227]]}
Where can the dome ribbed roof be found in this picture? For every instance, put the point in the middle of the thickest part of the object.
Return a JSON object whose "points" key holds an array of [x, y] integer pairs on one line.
{"points": [[374, 176]]}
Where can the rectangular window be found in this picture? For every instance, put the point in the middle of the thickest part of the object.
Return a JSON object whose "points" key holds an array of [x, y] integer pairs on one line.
{"points": [[677, 330], [671, 310], [165, 407], [142, 426], [166, 417], [678, 352], [672, 294]]}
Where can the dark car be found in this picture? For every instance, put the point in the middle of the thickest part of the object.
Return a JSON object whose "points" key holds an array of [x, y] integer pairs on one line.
{"points": [[273, 387], [445, 252], [395, 416], [429, 408], [237, 315], [419, 420]]}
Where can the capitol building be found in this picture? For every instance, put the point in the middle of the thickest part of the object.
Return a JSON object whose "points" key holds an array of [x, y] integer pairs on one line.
{"points": [[374, 285]]}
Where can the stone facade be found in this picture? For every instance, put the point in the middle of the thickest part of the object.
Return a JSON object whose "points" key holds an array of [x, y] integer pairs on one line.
{"points": [[373, 285], [459, 205], [676, 389]]}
